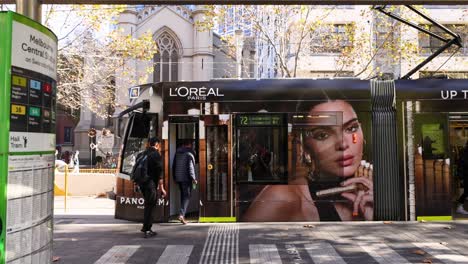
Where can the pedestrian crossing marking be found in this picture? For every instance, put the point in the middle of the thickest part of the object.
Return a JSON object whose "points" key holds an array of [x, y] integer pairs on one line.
{"points": [[264, 254], [294, 255], [175, 254], [383, 253], [323, 253], [442, 253], [221, 245], [118, 254]]}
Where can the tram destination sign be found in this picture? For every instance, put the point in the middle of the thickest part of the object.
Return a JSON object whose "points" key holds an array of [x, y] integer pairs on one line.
{"points": [[260, 120]]}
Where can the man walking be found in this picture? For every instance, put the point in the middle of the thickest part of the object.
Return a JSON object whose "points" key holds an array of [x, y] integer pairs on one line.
{"points": [[148, 188], [183, 172]]}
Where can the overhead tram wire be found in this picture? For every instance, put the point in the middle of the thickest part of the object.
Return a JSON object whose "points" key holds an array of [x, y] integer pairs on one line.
{"points": [[453, 53], [234, 46], [218, 47]]}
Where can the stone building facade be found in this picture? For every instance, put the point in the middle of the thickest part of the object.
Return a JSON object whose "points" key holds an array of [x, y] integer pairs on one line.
{"points": [[188, 53]]}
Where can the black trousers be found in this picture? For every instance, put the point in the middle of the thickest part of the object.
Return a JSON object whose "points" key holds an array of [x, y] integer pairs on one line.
{"points": [[149, 194]]}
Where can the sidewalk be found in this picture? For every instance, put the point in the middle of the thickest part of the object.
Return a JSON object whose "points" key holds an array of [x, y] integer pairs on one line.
{"points": [[83, 205]]}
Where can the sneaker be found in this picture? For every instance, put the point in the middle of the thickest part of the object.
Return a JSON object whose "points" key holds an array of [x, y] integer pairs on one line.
{"points": [[150, 234], [461, 210], [182, 220], [144, 230]]}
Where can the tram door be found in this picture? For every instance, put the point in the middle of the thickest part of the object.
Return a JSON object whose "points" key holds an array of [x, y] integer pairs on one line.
{"points": [[459, 149], [432, 166], [182, 129], [215, 172]]}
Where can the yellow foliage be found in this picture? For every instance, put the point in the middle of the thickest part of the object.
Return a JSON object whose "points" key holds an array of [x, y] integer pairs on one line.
{"points": [[92, 56]]}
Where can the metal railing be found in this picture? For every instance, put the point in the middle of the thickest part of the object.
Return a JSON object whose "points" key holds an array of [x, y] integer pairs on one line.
{"points": [[67, 172], [66, 189]]}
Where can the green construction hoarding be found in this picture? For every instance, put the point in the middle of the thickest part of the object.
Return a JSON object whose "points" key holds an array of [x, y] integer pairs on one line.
{"points": [[28, 75]]}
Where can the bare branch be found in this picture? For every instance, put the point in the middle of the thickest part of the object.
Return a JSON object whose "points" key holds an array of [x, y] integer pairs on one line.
{"points": [[374, 55]]}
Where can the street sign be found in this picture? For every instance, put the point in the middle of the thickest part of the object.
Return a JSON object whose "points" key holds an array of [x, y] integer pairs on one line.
{"points": [[134, 92], [105, 142], [92, 146]]}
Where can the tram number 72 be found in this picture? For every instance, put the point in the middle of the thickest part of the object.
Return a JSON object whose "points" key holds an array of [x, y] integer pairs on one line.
{"points": [[244, 120]]}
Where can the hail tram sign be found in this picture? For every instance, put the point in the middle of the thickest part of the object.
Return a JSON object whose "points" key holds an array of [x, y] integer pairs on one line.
{"points": [[28, 75]]}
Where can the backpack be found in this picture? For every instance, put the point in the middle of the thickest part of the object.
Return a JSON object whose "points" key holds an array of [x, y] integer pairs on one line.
{"points": [[139, 172]]}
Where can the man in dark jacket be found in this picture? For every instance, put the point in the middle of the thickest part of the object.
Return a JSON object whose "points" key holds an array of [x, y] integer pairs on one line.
{"points": [[183, 172], [148, 188]]}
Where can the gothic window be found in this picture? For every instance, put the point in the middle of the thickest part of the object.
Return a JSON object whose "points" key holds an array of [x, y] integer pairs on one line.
{"points": [[166, 60], [67, 135]]}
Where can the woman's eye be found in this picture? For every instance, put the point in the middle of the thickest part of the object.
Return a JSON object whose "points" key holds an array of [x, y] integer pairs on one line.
{"points": [[321, 135], [353, 128]]}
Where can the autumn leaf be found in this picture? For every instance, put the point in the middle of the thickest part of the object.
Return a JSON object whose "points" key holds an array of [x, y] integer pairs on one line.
{"points": [[418, 252]]}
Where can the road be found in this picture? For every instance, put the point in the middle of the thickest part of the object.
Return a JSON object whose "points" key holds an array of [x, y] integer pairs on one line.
{"points": [[88, 233]]}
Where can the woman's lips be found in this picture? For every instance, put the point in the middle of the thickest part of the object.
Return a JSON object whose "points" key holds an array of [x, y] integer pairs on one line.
{"points": [[345, 161]]}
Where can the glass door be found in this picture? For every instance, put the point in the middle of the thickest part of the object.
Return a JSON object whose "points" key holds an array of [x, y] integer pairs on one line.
{"points": [[215, 173], [183, 133], [459, 149], [432, 166]]}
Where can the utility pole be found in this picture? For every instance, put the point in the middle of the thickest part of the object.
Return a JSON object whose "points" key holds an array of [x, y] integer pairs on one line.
{"points": [[239, 43]]}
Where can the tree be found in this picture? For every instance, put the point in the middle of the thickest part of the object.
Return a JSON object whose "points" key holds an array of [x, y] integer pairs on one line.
{"points": [[289, 38], [91, 51]]}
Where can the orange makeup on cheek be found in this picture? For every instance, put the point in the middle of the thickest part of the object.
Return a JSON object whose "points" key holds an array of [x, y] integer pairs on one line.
{"points": [[354, 138]]}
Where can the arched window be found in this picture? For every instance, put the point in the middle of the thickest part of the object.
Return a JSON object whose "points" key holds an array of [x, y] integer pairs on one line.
{"points": [[165, 61]]}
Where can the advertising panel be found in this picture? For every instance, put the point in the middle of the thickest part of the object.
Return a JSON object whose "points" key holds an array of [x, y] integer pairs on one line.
{"points": [[27, 146], [302, 148], [311, 166]]}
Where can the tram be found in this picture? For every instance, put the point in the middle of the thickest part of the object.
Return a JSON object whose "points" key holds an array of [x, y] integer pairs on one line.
{"points": [[302, 149]]}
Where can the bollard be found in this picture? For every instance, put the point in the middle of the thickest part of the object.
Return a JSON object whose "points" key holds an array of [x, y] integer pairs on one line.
{"points": [[66, 188]]}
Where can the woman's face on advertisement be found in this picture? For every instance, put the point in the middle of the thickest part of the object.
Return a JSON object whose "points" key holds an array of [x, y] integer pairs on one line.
{"points": [[336, 145]]}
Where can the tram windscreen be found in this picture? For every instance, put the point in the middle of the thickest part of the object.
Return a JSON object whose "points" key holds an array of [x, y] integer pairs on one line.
{"points": [[138, 131], [262, 149]]}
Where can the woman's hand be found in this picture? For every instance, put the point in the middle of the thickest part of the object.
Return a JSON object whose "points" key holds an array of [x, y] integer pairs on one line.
{"points": [[163, 193], [363, 200]]}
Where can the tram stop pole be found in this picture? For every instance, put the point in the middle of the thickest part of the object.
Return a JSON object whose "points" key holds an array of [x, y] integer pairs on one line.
{"points": [[28, 79], [66, 189], [30, 8]]}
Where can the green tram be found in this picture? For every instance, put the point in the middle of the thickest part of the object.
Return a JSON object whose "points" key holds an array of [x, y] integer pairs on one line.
{"points": [[303, 150]]}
